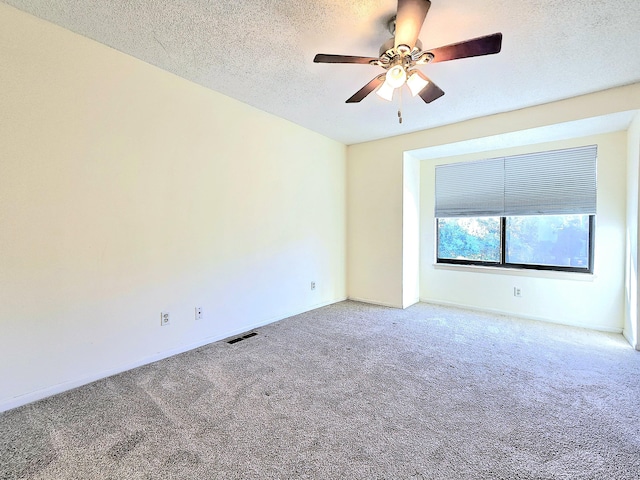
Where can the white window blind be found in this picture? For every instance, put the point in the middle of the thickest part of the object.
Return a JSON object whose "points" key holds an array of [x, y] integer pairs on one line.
{"points": [[545, 183], [470, 189], [551, 183]]}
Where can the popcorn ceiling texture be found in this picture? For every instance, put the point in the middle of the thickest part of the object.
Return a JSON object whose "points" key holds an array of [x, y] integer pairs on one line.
{"points": [[351, 391], [261, 53]]}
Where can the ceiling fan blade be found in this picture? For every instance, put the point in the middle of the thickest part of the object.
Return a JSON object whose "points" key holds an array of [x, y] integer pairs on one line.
{"points": [[431, 92], [409, 20], [475, 47], [324, 58], [366, 90]]}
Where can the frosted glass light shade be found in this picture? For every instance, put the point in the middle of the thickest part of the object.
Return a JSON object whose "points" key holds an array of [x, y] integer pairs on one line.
{"points": [[396, 76], [386, 91], [416, 83]]}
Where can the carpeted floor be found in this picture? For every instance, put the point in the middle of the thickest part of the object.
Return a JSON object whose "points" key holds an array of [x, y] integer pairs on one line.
{"points": [[351, 391]]}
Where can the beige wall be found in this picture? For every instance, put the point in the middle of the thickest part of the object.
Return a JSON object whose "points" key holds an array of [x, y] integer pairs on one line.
{"points": [[376, 183], [374, 212], [591, 301], [126, 191]]}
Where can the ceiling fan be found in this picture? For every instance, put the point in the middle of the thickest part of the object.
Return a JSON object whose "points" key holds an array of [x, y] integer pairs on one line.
{"points": [[400, 56]]}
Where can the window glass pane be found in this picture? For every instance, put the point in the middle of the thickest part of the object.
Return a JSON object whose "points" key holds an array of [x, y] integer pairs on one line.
{"points": [[554, 240], [475, 238]]}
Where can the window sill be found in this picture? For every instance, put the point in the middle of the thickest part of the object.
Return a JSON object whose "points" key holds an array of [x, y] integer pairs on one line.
{"points": [[517, 272]]}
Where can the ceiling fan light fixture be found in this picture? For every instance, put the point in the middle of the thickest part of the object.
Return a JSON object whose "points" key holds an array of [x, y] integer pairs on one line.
{"points": [[396, 76], [416, 83], [386, 91]]}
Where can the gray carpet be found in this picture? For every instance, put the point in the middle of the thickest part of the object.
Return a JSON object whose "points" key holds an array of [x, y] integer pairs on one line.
{"points": [[351, 391]]}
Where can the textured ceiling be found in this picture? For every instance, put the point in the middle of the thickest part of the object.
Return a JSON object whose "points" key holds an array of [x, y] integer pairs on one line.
{"points": [[261, 53]]}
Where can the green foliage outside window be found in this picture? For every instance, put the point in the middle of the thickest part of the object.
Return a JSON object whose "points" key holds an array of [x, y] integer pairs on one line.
{"points": [[544, 240], [475, 238]]}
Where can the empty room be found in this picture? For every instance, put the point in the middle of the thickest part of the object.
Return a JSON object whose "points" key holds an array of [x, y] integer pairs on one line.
{"points": [[375, 239]]}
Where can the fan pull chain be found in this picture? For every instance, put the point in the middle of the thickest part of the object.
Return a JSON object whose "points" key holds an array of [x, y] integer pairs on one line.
{"points": [[400, 106]]}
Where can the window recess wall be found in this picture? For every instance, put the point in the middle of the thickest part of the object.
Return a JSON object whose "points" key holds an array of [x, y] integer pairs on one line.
{"points": [[592, 301]]}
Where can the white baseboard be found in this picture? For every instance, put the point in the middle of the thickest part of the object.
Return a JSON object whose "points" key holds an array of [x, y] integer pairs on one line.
{"points": [[496, 311], [413, 301], [374, 302], [65, 386], [631, 340]]}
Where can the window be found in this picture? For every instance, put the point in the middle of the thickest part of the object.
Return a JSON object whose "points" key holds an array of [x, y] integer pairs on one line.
{"points": [[549, 240], [474, 239], [546, 242], [527, 211]]}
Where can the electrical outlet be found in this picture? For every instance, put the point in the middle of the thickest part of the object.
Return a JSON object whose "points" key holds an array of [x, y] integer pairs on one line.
{"points": [[517, 292], [198, 313], [164, 319], [313, 285]]}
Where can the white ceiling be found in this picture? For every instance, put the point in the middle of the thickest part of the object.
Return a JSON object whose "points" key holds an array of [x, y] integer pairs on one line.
{"points": [[261, 53]]}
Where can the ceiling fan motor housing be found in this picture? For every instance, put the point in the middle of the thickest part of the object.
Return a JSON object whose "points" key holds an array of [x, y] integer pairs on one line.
{"points": [[388, 48]]}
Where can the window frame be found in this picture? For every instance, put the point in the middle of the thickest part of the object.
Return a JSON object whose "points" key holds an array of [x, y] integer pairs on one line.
{"points": [[517, 266]]}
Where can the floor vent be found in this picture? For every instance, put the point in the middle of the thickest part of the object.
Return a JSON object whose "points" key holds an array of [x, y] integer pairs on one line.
{"points": [[239, 339]]}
